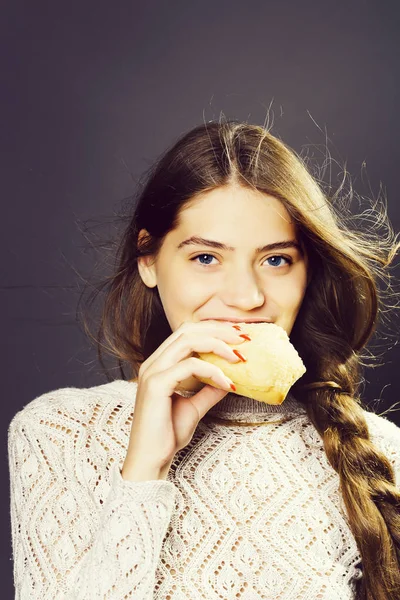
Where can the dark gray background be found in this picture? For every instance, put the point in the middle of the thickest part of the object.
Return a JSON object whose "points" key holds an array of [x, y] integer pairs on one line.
{"points": [[92, 92]]}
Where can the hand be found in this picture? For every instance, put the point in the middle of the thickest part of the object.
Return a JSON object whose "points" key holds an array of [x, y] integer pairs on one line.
{"points": [[164, 422]]}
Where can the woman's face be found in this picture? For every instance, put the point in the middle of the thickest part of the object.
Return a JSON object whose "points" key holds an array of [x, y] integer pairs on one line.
{"points": [[198, 281]]}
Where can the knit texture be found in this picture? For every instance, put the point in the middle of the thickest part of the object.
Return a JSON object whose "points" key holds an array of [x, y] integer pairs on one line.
{"points": [[248, 512]]}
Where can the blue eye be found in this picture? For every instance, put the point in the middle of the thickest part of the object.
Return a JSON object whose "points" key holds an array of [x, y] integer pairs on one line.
{"points": [[201, 256], [289, 260]]}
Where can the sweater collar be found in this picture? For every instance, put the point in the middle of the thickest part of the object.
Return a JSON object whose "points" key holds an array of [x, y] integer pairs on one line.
{"points": [[241, 409]]}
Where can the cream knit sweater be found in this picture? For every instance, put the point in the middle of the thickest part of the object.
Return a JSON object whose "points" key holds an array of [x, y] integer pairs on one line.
{"points": [[247, 512]]}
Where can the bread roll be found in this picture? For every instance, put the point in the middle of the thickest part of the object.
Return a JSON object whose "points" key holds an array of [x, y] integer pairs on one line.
{"points": [[273, 364]]}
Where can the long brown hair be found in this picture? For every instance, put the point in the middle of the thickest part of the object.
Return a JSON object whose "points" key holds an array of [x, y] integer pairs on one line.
{"points": [[338, 316]]}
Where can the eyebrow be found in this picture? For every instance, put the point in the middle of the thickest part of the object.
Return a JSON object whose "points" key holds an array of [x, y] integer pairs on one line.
{"points": [[195, 240]]}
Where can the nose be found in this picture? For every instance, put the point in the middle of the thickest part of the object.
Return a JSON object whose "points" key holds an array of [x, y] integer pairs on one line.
{"points": [[242, 289]]}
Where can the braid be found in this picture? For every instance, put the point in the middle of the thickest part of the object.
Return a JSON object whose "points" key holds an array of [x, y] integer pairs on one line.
{"points": [[367, 485]]}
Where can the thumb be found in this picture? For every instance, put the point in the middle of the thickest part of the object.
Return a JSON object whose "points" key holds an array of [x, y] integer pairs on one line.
{"points": [[206, 398]]}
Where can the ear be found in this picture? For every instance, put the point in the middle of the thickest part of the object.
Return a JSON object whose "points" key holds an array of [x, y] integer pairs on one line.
{"points": [[146, 264]]}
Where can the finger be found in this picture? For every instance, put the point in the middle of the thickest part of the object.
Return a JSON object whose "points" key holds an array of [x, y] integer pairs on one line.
{"points": [[206, 398], [168, 380], [212, 328], [184, 348]]}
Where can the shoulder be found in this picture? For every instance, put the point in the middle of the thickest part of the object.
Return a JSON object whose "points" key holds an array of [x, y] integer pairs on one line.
{"points": [[64, 447], [382, 428], [385, 434], [75, 406]]}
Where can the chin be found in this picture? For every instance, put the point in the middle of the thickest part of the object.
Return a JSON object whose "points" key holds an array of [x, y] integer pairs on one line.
{"points": [[287, 328]]}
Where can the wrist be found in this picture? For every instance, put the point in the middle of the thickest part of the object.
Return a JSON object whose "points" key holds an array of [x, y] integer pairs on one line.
{"points": [[143, 472]]}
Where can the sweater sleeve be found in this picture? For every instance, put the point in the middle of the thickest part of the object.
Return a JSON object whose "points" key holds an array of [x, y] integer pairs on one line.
{"points": [[63, 548]]}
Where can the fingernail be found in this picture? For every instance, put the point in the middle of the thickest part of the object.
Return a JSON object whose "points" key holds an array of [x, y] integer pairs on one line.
{"points": [[233, 387], [239, 355], [237, 327], [245, 336]]}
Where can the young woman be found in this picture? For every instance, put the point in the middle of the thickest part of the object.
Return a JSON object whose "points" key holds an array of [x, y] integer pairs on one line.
{"points": [[156, 486]]}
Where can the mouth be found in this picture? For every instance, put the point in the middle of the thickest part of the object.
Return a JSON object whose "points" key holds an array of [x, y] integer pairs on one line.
{"points": [[243, 320]]}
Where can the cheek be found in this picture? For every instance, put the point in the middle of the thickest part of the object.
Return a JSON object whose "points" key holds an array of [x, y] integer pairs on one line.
{"points": [[196, 293], [301, 289], [293, 289], [183, 292]]}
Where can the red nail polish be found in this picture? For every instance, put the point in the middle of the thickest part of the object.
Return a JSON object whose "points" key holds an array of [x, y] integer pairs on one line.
{"points": [[236, 327], [233, 387], [245, 336], [239, 355]]}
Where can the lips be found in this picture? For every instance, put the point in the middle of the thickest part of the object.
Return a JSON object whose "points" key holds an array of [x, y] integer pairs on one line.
{"points": [[243, 320]]}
